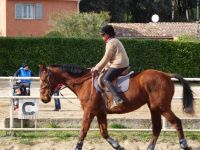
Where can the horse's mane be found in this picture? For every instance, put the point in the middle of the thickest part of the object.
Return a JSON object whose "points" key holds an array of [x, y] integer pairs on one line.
{"points": [[71, 69]]}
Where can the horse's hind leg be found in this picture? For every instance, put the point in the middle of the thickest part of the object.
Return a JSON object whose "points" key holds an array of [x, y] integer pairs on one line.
{"points": [[176, 122], [102, 120], [156, 126]]}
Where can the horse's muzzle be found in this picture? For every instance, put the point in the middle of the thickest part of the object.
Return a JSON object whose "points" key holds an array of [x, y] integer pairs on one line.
{"points": [[46, 99]]}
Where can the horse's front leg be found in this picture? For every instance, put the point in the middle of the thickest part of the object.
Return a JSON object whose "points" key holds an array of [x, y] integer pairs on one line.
{"points": [[102, 120], [86, 121]]}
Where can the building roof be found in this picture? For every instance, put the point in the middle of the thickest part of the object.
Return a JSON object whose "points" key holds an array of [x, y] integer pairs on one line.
{"points": [[162, 29]]}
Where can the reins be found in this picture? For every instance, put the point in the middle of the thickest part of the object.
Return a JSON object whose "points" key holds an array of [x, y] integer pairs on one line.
{"points": [[92, 86], [69, 100], [60, 89]]}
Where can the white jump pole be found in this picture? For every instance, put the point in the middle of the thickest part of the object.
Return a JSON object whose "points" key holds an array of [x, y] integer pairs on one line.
{"points": [[11, 103]]}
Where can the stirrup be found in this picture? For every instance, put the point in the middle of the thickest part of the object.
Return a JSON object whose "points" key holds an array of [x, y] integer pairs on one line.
{"points": [[117, 101]]}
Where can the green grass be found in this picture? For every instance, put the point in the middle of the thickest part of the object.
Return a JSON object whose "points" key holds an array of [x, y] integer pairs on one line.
{"points": [[117, 126], [26, 142], [28, 137], [53, 125]]}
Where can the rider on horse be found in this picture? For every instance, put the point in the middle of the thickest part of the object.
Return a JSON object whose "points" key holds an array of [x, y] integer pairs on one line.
{"points": [[114, 61]]}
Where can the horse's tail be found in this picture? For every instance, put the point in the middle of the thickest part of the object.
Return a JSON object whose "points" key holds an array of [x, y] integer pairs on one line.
{"points": [[187, 94]]}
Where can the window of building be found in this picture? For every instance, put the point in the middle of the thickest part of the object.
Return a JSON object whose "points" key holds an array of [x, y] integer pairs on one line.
{"points": [[28, 11]]}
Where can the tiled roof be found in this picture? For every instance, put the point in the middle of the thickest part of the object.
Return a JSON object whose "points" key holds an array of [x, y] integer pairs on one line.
{"points": [[155, 29]]}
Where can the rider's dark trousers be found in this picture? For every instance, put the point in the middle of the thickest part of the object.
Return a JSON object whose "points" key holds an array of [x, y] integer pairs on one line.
{"points": [[110, 75]]}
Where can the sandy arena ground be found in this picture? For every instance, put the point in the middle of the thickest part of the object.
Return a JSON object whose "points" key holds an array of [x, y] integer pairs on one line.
{"points": [[100, 145]]}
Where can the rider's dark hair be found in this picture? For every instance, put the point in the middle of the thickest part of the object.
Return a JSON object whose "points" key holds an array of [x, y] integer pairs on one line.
{"points": [[108, 29], [24, 65]]}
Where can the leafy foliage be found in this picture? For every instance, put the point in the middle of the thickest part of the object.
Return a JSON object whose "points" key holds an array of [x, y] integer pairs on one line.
{"points": [[85, 25], [187, 38], [169, 56], [141, 11], [53, 34]]}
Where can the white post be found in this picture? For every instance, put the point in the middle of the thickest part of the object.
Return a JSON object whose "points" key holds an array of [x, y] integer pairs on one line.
{"points": [[35, 123], [11, 103], [198, 10], [22, 123], [164, 123]]}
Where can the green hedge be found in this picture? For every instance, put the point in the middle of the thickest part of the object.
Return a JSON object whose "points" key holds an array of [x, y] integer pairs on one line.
{"points": [[169, 56]]}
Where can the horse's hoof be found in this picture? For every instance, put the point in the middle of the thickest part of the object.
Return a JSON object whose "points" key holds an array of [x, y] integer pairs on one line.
{"points": [[121, 148], [151, 147], [79, 145], [188, 148]]}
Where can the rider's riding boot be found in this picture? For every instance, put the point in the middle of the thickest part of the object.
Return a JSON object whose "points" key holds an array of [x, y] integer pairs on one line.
{"points": [[117, 99]]}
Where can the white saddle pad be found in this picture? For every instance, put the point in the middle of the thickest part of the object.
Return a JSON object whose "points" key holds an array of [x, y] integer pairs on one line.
{"points": [[122, 83]]}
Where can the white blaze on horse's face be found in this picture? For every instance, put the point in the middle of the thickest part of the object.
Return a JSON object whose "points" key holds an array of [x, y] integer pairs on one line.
{"points": [[45, 91]]}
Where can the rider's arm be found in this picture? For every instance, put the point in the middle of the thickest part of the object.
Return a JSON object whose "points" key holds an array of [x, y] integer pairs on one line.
{"points": [[32, 74], [17, 73], [110, 51]]}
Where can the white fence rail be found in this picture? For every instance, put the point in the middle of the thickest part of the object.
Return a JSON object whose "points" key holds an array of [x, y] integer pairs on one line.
{"points": [[11, 97]]}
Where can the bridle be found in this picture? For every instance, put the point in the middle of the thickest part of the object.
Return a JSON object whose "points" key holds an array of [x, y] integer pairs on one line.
{"points": [[49, 83]]}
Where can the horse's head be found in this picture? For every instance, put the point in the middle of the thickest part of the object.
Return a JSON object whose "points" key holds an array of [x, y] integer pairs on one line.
{"points": [[47, 84], [53, 75]]}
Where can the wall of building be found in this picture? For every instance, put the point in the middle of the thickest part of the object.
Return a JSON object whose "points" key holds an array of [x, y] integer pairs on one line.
{"points": [[33, 27], [2, 17]]}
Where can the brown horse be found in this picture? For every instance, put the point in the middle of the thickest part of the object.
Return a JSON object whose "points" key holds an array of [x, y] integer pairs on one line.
{"points": [[150, 87]]}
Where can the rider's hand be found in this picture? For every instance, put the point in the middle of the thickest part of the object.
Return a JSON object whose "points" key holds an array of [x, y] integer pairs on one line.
{"points": [[94, 71], [104, 70]]}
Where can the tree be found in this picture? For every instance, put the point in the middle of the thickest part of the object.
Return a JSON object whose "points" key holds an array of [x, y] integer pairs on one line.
{"points": [[83, 25], [141, 11], [184, 9]]}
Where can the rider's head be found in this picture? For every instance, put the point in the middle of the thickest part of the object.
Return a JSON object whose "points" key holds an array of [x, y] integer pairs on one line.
{"points": [[107, 32], [25, 66]]}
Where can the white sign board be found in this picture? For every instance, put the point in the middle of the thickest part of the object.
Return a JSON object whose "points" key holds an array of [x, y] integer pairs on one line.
{"points": [[28, 108]]}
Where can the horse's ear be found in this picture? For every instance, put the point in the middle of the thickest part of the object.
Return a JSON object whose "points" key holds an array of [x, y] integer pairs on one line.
{"points": [[42, 67]]}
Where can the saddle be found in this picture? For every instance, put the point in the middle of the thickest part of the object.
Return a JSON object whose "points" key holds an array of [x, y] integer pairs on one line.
{"points": [[121, 83]]}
